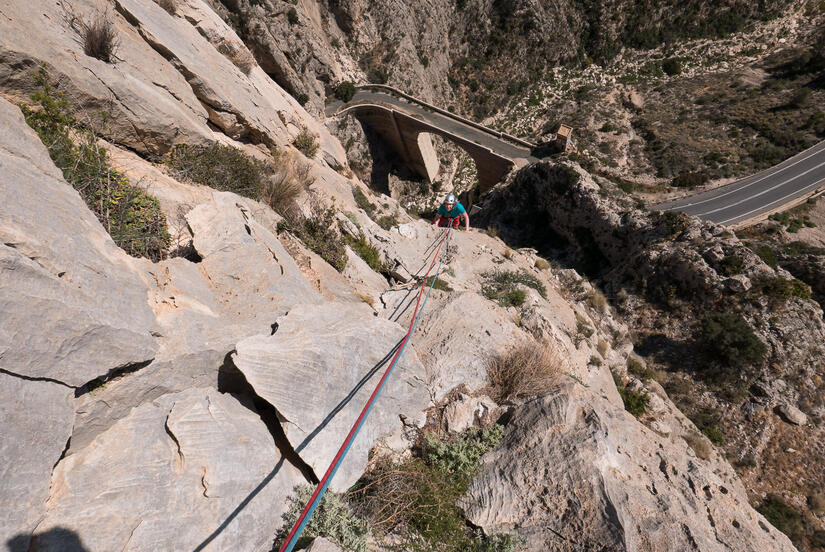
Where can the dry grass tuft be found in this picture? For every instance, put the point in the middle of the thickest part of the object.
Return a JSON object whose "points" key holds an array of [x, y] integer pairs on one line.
{"points": [[698, 443], [99, 36], [542, 264], [528, 370], [290, 177]]}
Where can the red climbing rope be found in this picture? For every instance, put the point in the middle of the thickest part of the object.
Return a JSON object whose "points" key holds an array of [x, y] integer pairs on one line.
{"points": [[321, 488]]}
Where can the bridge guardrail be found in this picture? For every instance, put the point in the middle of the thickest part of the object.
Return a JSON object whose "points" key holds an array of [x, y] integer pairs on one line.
{"points": [[395, 91]]}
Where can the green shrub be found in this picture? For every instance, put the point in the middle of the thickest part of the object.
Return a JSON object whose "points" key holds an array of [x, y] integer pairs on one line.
{"points": [[416, 499], [639, 370], [673, 223], [366, 251], [345, 91], [730, 339], [361, 200], [635, 402], [707, 420], [690, 180], [783, 517], [781, 289], [672, 66], [302, 98], [132, 217], [438, 283], [502, 287], [731, 265], [387, 222], [766, 253], [277, 183], [800, 98], [306, 143], [292, 16], [319, 233], [332, 519], [220, 167]]}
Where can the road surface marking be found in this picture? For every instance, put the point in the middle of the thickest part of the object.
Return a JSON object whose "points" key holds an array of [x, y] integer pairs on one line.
{"points": [[779, 170], [728, 206], [817, 183]]}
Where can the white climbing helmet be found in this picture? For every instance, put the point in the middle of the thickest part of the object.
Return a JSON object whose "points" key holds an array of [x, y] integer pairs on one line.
{"points": [[450, 200]]}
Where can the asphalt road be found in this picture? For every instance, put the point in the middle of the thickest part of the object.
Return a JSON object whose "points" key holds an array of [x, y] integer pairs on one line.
{"points": [[764, 192], [443, 122]]}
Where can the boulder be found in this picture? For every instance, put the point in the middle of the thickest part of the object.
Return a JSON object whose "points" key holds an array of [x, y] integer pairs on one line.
{"points": [[612, 484], [463, 413], [74, 304], [36, 422], [191, 469], [792, 414], [318, 370]]}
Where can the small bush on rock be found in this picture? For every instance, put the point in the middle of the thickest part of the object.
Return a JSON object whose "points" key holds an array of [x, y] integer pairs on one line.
{"points": [[783, 517], [635, 402], [319, 233], [306, 142], [332, 519], [731, 265], [132, 217], [366, 251], [220, 167], [502, 287], [690, 180], [170, 6], [698, 443], [528, 370], [781, 289], [729, 338], [416, 499]]}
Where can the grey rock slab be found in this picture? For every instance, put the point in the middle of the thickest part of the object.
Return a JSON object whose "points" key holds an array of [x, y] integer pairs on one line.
{"points": [[189, 469], [249, 272], [151, 105], [575, 472], [74, 304], [310, 370], [36, 421], [455, 333]]}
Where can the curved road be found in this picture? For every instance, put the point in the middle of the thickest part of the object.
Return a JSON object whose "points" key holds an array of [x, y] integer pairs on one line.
{"points": [[447, 122], [740, 203], [753, 198]]}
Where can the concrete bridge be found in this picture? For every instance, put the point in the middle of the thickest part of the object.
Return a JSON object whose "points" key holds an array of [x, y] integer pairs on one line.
{"points": [[406, 124]]}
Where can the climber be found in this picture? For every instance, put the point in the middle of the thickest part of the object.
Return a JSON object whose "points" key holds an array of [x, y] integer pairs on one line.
{"points": [[451, 212]]}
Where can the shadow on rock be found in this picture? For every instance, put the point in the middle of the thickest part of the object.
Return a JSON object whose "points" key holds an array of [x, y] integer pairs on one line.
{"points": [[59, 538]]}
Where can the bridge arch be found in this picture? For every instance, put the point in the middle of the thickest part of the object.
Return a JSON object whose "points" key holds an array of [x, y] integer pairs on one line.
{"points": [[408, 135]]}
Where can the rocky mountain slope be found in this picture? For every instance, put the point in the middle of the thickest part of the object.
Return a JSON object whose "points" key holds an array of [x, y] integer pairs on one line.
{"points": [[181, 402]]}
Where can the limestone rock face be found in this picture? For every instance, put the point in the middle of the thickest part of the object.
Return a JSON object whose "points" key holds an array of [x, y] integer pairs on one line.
{"points": [[315, 370], [192, 468], [74, 306], [236, 248], [454, 344], [575, 472], [168, 81], [36, 421]]}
